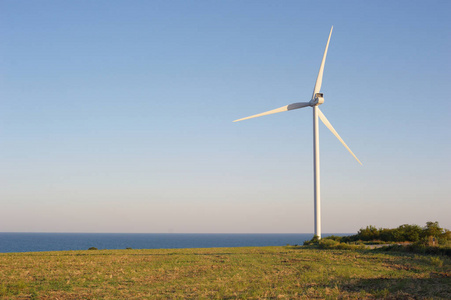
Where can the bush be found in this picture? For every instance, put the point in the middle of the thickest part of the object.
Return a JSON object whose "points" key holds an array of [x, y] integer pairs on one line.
{"points": [[404, 233], [327, 244], [369, 233], [432, 229], [410, 233], [92, 248], [333, 237], [332, 244], [418, 248], [313, 241]]}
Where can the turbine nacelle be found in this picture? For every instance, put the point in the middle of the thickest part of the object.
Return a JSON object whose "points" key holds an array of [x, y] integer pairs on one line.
{"points": [[317, 100]]}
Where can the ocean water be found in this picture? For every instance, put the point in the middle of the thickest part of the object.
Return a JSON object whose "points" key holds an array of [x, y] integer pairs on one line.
{"points": [[32, 242]]}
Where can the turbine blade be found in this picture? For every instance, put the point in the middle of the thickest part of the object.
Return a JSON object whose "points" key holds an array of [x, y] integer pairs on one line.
{"points": [[277, 110], [319, 79], [328, 125]]}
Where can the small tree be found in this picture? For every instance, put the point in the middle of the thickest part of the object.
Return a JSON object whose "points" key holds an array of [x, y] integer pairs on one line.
{"points": [[409, 233], [369, 233], [432, 229], [386, 234]]}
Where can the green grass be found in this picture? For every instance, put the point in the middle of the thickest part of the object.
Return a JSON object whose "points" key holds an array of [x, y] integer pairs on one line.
{"points": [[224, 273]]}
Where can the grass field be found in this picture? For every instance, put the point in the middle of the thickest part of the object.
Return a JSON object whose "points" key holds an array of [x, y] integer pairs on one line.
{"points": [[223, 273]]}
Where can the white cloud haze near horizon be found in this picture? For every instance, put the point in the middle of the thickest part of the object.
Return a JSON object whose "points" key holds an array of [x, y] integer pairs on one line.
{"points": [[116, 116]]}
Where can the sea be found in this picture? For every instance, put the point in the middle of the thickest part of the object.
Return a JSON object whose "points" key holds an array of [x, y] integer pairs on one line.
{"points": [[34, 242]]}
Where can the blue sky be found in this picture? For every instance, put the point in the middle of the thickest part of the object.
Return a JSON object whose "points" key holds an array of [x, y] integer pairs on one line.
{"points": [[116, 116]]}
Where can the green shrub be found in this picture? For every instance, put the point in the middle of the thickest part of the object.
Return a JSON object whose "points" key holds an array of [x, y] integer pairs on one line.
{"points": [[332, 244], [92, 248], [313, 241], [418, 248], [333, 237], [327, 244], [369, 233], [404, 233]]}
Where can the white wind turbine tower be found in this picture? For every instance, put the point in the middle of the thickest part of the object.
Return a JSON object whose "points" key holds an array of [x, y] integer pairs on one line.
{"points": [[317, 99]]}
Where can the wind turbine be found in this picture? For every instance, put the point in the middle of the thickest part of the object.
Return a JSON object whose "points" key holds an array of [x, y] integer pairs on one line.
{"points": [[317, 99]]}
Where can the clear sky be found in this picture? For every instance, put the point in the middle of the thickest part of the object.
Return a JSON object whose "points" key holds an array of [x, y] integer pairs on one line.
{"points": [[116, 116]]}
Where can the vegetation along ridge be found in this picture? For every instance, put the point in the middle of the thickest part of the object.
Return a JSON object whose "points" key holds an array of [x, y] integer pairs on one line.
{"points": [[329, 268]]}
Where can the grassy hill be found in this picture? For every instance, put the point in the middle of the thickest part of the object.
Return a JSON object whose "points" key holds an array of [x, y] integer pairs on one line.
{"points": [[245, 273]]}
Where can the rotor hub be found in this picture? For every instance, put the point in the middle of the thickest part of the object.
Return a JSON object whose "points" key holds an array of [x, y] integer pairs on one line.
{"points": [[317, 100]]}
